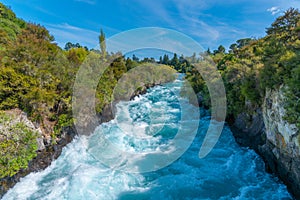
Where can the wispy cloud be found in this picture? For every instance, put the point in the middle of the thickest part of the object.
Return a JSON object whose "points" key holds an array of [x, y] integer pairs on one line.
{"points": [[192, 20], [42, 10], [67, 33], [195, 19], [274, 10], [157, 9], [284, 5], [184, 17], [192, 5], [153, 38], [91, 2]]}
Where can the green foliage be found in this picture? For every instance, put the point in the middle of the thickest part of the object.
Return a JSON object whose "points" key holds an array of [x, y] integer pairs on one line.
{"points": [[102, 43], [18, 146], [70, 45], [64, 120], [138, 80], [285, 27], [11, 28], [76, 56], [221, 49], [249, 89], [252, 66], [29, 74], [292, 105], [37, 76], [143, 76], [243, 42]]}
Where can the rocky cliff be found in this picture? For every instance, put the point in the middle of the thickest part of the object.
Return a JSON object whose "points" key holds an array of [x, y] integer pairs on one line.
{"points": [[277, 141], [47, 151]]}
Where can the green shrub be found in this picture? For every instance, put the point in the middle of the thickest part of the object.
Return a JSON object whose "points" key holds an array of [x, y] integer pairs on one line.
{"points": [[18, 145]]}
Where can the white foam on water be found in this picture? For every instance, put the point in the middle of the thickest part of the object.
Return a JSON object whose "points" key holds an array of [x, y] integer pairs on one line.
{"points": [[228, 172]]}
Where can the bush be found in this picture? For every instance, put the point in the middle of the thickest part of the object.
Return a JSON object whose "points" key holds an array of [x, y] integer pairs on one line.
{"points": [[18, 145]]}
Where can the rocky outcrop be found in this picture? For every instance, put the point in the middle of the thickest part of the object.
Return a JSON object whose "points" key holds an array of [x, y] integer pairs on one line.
{"points": [[277, 141], [18, 116], [279, 132], [282, 150], [249, 129], [46, 153]]}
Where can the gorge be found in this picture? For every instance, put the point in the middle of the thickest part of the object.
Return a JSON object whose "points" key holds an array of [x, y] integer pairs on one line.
{"points": [[43, 157], [228, 172]]}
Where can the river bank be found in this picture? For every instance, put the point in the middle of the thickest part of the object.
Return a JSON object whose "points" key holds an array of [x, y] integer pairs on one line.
{"points": [[273, 138], [228, 172], [51, 152]]}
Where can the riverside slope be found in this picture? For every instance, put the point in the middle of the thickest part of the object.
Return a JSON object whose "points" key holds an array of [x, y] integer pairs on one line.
{"points": [[48, 151], [277, 141]]}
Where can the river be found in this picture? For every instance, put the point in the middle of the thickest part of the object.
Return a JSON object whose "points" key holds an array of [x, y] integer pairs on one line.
{"points": [[228, 172]]}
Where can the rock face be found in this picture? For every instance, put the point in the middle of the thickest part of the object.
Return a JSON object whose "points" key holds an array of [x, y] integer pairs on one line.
{"points": [[249, 129], [277, 141], [46, 152], [18, 116], [282, 145]]}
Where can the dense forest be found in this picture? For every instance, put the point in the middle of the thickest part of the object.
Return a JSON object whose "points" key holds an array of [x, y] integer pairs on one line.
{"points": [[37, 76]]}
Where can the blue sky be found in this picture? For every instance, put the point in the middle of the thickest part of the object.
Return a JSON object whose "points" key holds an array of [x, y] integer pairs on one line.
{"points": [[209, 22]]}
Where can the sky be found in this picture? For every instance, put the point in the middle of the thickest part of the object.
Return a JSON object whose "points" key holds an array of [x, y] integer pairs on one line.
{"points": [[208, 22]]}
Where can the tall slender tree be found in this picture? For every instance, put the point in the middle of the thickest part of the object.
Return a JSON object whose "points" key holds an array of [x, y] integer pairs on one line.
{"points": [[102, 43]]}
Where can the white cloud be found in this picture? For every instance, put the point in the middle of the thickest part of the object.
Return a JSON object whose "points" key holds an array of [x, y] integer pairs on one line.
{"points": [[282, 6], [157, 8], [67, 33], [153, 38], [205, 27], [191, 21], [195, 19], [40, 9], [274, 10], [92, 2]]}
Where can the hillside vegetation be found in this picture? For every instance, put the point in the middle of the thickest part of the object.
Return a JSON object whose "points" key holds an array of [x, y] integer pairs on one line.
{"points": [[37, 77], [254, 65]]}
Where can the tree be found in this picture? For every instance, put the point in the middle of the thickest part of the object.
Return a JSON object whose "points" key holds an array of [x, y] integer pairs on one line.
{"points": [[149, 60], [208, 51], [243, 42], [193, 58], [76, 55], [135, 58], [130, 64], [175, 62], [233, 48], [102, 43], [68, 46], [221, 49], [165, 59], [284, 26], [160, 60]]}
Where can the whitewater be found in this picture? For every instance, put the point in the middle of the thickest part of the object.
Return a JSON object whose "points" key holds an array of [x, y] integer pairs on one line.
{"points": [[142, 127]]}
